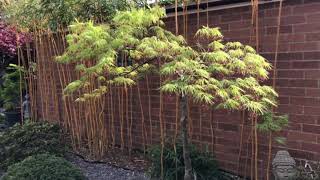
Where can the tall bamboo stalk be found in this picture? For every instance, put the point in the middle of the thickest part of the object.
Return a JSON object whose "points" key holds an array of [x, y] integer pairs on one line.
{"points": [[149, 109], [20, 82], [274, 83], [241, 140], [120, 110], [256, 146], [131, 120], [161, 126], [177, 97], [142, 119], [112, 119], [212, 130]]}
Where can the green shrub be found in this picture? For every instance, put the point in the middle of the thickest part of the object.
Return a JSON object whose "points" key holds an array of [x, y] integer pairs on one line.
{"points": [[19, 142], [10, 89], [2, 118], [43, 167], [204, 165]]}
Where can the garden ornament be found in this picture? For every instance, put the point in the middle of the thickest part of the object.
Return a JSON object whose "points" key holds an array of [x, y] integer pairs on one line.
{"points": [[284, 166], [26, 107]]}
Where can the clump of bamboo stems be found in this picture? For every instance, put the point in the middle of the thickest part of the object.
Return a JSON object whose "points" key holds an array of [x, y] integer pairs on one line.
{"points": [[86, 120]]}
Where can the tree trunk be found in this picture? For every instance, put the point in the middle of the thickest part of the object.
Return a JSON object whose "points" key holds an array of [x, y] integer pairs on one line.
{"points": [[184, 136]]}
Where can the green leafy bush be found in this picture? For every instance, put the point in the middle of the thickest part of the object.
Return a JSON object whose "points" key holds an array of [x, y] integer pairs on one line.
{"points": [[19, 142], [52, 14], [2, 118], [43, 167], [10, 89], [204, 165]]}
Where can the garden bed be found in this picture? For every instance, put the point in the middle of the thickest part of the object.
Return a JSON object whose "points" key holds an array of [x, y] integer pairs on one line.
{"points": [[106, 171]]}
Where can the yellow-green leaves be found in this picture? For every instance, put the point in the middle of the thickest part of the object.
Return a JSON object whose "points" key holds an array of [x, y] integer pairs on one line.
{"points": [[209, 33], [216, 45], [73, 86], [238, 71], [225, 75]]}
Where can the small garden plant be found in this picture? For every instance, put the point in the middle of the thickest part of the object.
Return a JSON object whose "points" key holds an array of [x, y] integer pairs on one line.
{"points": [[204, 165], [43, 167], [21, 141], [10, 89]]}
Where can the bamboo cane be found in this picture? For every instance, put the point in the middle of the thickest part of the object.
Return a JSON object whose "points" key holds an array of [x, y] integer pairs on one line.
{"points": [[274, 83], [142, 119], [149, 110]]}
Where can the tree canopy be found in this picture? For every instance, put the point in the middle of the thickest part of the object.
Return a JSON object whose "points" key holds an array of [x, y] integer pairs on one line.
{"points": [[227, 74], [44, 14]]}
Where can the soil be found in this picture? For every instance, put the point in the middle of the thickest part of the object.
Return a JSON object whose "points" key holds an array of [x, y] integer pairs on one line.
{"points": [[116, 165]]}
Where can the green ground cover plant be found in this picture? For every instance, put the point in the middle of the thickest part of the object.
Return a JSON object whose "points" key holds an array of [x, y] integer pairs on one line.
{"points": [[43, 167], [21, 141]]}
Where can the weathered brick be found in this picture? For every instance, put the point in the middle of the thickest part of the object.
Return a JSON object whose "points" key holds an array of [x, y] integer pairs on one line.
{"points": [[310, 146], [290, 109], [293, 20], [303, 83], [313, 92], [313, 37], [284, 100], [311, 128], [300, 154], [312, 110], [287, 91], [228, 127], [283, 29], [298, 74], [290, 56], [301, 136], [312, 74], [306, 64], [307, 46], [311, 55], [309, 27], [306, 8], [286, 11], [230, 18], [305, 101], [306, 119]]}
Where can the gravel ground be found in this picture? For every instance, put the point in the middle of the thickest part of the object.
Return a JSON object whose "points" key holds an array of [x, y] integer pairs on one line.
{"points": [[101, 171]]}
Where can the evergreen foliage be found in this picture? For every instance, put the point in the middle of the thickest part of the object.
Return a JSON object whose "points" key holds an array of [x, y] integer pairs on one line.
{"points": [[2, 119], [43, 167], [21, 141], [10, 88], [204, 165], [273, 123]]}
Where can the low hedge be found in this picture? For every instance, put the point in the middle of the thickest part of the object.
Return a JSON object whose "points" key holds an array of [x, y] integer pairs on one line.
{"points": [[21, 141], [43, 167]]}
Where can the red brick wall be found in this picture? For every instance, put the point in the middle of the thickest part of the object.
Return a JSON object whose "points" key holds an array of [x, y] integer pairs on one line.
{"points": [[297, 83], [298, 76]]}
